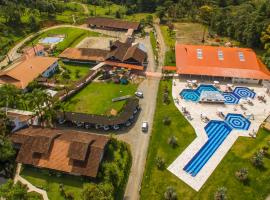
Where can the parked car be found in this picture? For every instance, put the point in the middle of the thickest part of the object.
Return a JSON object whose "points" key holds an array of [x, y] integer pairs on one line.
{"points": [[139, 94], [145, 126]]}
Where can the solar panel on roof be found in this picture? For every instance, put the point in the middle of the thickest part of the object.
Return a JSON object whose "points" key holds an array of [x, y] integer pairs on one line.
{"points": [[220, 55], [241, 56], [199, 54]]}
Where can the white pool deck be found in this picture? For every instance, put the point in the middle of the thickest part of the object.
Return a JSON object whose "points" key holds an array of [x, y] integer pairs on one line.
{"points": [[259, 109]]}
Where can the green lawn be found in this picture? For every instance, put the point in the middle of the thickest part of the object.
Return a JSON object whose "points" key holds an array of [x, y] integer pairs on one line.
{"points": [[96, 98], [168, 36], [71, 69], [43, 179], [108, 11], [72, 37], [153, 40], [155, 181]]}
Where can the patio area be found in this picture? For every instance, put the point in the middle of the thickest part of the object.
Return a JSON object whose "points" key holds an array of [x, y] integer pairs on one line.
{"points": [[249, 108]]}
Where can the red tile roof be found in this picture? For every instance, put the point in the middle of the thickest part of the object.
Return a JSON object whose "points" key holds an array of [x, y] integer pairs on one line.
{"points": [[22, 74], [219, 61], [63, 150]]}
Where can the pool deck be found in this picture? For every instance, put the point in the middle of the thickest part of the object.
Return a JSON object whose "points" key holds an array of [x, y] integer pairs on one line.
{"points": [[259, 109]]}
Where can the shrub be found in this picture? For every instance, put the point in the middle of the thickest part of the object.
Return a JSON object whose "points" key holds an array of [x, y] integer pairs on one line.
{"points": [[221, 194], [242, 174], [173, 141], [170, 193], [160, 162], [257, 159], [166, 121]]}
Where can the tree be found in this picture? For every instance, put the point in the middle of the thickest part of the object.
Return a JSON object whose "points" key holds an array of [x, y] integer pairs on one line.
{"points": [[160, 12], [206, 13], [265, 39], [149, 20], [118, 14], [160, 162], [173, 141], [221, 194], [6, 149], [13, 191], [242, 174], [170, 193], [97, 192], [257, 159]]}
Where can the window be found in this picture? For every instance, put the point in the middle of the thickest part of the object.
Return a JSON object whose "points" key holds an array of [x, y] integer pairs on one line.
{"points": [[241, 56], [199, 54], [220, 55]]}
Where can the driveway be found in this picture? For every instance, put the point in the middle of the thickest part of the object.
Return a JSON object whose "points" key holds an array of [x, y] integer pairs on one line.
{"points": [[138, 140]]}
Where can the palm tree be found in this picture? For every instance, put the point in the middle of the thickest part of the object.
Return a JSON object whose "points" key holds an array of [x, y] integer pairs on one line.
{"points": [[257, 159], [242, 174], [160, 162], [173, 141], [170, 193], [221, 194]]}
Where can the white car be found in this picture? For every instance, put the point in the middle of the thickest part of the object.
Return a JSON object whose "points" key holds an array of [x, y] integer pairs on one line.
{"points": [[139, 94], [145, 126]]}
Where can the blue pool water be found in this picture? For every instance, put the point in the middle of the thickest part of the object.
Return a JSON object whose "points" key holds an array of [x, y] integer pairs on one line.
{"points": [[217, 131], [230, 97], [51, 40], [237, 121]]}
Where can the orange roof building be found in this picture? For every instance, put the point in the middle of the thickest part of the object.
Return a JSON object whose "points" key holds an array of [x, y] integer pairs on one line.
{"points": [[23, 73], [68, 151], [236, 63]]}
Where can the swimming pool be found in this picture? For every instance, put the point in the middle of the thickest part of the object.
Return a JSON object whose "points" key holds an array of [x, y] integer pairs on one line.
{"points": [[229, 97], [217, 131], [51, 40]]}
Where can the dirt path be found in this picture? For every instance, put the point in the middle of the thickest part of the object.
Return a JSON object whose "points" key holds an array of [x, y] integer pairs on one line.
{"points": [[139, 141]]}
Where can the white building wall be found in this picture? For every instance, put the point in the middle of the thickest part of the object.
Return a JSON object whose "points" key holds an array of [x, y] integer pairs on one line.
{"points": [[245, 80], [50, 71]]}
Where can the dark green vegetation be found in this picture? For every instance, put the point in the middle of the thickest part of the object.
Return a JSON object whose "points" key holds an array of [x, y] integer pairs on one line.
{"points": [[71, 72], [110, 183], [17, 192], [157, 180], [96, 98], [34, 101], [20, 18], [153, 40], [72, 37]]}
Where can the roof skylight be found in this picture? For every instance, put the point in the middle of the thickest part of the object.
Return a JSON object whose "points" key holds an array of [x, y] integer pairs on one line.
{"points": [[241, 56], [199, 54], [220, 55]]}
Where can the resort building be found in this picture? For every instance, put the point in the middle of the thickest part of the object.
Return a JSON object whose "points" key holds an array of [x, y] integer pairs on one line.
{"points": [[239, 65], [67, 151], [112, 24], [20, 118], [121, 54], [23, 73], [37, 50]]}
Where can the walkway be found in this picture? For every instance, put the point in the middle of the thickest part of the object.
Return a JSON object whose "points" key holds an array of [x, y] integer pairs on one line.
{"points": [[31, 187]]}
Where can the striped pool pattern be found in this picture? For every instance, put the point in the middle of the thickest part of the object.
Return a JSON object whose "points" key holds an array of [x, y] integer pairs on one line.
{"points": [[217, 131], [230, 97]]}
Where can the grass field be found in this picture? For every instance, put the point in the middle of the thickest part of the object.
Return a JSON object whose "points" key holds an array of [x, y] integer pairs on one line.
{"points": [[153, 40], [168, 37], [106, 10], [96, 98], [72, 37], [71, 69], [50, 183], [155, 181]]}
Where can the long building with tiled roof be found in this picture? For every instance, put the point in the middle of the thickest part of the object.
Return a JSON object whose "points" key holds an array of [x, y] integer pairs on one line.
{"points": [[240, 64], [67, 151]]}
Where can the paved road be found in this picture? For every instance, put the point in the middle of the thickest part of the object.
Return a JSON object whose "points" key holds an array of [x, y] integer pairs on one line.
{"points": [[139, 141]]}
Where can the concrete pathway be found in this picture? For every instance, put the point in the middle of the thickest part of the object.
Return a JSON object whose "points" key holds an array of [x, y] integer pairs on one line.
{"points": [[31, 187]]}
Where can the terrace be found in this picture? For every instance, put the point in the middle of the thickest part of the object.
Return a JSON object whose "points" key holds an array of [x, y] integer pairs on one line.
{"points": [[242, 115]]}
